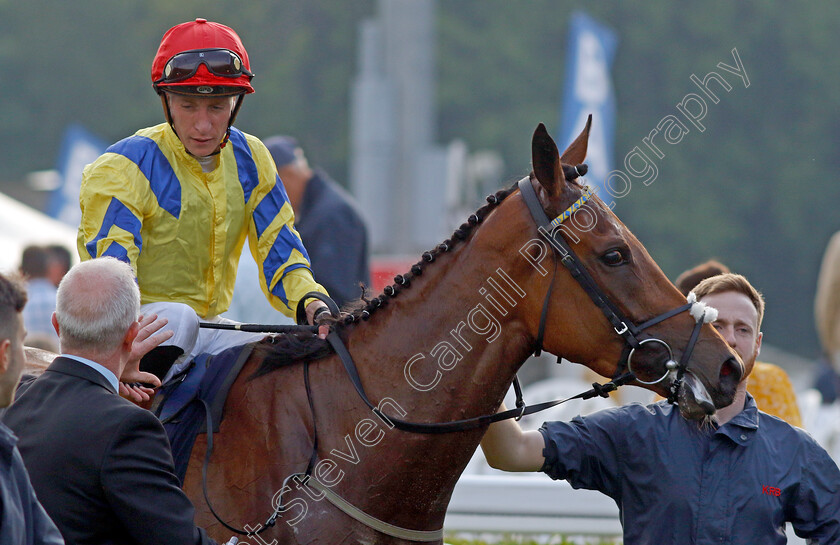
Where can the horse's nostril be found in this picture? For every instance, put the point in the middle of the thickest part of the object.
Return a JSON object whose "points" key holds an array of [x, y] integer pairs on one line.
{"points": [[730, 374]]}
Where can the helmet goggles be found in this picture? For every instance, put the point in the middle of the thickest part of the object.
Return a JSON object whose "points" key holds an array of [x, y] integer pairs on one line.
{"points": [[218, 61]]}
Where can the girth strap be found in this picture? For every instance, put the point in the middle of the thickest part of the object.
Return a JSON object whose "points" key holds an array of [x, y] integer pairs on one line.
{"points": [[368, 520]]}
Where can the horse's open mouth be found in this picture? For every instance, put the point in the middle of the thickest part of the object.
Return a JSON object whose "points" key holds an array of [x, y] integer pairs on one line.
{"points": [[694, 400]]}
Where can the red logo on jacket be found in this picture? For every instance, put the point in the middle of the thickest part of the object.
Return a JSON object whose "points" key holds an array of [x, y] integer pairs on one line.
{"points": [[770, 491]]}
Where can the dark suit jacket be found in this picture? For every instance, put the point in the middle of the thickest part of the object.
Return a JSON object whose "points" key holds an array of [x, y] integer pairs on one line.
{"points": [[335, 236], [100, 465]]}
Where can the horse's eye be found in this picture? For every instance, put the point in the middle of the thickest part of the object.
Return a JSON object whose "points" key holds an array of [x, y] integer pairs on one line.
{"points": [[613, 258]]}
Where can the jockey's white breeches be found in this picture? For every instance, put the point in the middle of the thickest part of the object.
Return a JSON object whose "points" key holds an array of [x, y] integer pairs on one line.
{"points": [[190, 338]]}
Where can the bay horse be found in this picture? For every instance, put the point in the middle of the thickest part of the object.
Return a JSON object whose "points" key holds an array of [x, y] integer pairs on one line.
{"points": [[443, 343]]}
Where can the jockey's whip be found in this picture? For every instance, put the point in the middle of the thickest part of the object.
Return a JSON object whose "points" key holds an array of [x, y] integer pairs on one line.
{"points": [[271, 328], [262, 328]]}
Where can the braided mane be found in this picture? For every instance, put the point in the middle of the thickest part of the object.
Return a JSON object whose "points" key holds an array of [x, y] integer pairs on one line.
{"points": [[282, 350], [362, 309]]}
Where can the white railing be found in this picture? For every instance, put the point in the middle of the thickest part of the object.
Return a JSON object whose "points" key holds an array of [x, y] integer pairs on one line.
{"points": [[530, 504]]}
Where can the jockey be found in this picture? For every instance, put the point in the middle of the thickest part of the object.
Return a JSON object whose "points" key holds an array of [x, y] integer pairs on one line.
{"points": [[176, 201]]}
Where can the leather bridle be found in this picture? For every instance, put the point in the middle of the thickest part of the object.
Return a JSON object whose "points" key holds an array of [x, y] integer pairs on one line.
{"points": [[633, 335]]}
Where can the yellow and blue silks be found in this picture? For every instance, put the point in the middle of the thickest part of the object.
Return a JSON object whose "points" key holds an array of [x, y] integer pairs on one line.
{"points": [[147, 202]]}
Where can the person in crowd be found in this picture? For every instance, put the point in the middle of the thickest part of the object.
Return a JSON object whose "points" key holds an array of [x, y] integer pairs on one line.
{"points": [[22, 518], [60, 261], [37, 315], [101, 465], [328, 221], [822, 403], [769, 384], [177, 201], [736, 477], [827, 320], [688, 279]]}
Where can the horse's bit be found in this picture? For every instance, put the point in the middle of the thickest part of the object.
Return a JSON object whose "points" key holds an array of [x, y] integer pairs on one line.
{"points": [[632, 334]]}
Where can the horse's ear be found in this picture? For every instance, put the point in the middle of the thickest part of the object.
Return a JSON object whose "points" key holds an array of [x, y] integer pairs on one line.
{"points": [[576, 152], [546, 160]]}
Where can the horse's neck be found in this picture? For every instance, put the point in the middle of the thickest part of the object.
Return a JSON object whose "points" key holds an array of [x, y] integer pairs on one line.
{"points": [[441, 339], [445, 349]]}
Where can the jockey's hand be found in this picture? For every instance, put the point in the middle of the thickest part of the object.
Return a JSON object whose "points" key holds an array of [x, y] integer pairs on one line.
{"points": [[147, 339], [311, 309], [136, 392]]}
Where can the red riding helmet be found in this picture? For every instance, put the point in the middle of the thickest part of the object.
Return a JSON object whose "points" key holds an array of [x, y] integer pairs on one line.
{"points": [[202, 58]]}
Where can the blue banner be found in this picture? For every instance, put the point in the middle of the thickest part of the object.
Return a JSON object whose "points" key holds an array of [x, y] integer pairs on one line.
{"points": [[589, 90], [78, 149]]}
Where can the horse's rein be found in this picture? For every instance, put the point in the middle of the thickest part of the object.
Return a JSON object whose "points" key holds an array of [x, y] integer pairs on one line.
{"points": [[624, 327], [466, 424]]}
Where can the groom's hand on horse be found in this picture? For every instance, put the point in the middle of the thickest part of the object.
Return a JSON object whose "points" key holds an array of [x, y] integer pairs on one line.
{"points": [[313, 310], [135, 384]]}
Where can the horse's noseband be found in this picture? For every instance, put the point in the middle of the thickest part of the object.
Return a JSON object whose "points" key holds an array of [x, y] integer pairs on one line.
{"points": [[632, 334], [702, 314]]}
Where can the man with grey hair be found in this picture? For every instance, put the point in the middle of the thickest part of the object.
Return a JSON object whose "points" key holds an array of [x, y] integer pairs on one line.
{"points": [[100, 464]]}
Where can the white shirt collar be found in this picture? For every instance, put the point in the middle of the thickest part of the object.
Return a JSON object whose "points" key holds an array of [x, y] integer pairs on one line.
{"points": [[104, 371]]}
